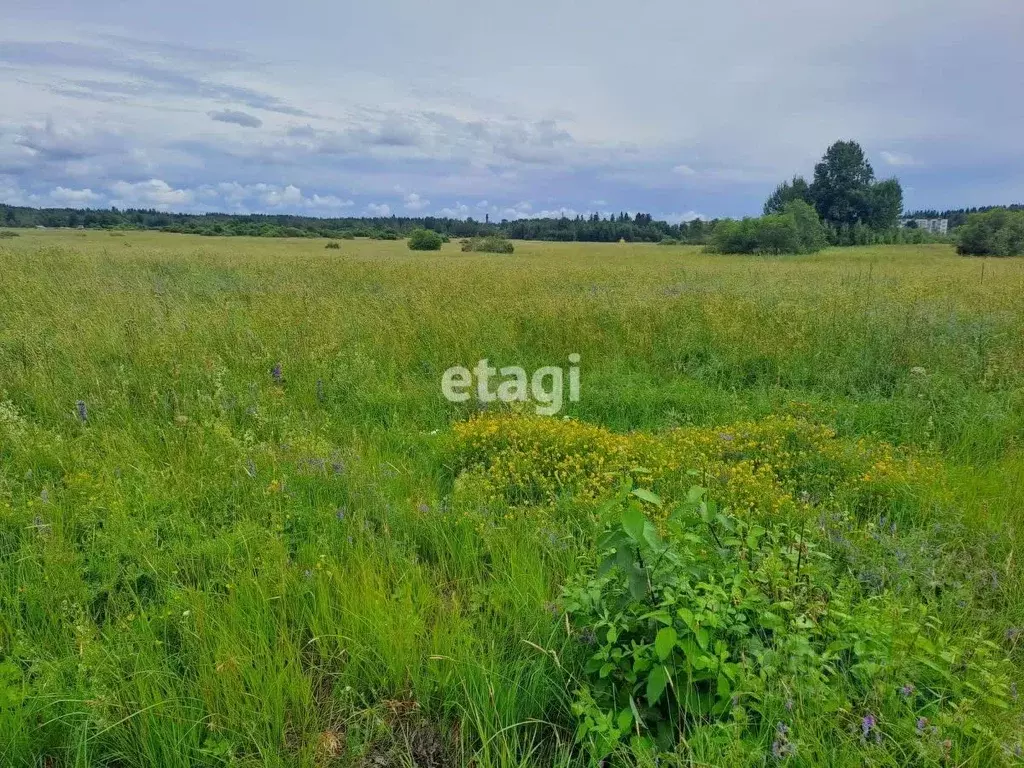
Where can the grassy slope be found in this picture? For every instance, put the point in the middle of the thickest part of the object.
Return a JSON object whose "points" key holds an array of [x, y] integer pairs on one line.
{"points": [[217, 564]]}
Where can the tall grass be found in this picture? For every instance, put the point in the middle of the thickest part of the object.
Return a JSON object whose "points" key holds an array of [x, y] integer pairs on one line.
{"points": [[220, 564]]}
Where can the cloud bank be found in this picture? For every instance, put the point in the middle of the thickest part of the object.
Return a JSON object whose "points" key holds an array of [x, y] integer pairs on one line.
{"points": [[697, 108]]}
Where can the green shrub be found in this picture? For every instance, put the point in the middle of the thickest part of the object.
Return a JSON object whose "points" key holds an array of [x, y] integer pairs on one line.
{"points": [[386, 234], [998, 232], [796, 230], [425, 240], [809, 229], [668, 241], [333, 245], [7, 234], [491, 244], [710, 618]]}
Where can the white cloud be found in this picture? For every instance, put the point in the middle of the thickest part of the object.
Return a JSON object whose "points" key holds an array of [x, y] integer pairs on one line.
{"points": [[676, 218], [328, 201], [897, 158], [414, 202], [276, 197], [457, 211], [684, 170], [378, 209], [154, 193], [74, 197]]}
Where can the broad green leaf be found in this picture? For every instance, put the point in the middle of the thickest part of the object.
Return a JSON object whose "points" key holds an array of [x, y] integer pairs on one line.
{"points": [[643, 493], [665, 642], [625, 720], [723, 688], [656, 683], [702, 637], [694, 495], [633, 522], [637, 583]]}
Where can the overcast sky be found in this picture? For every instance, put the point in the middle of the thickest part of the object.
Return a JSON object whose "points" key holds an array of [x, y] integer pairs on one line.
{"points": [[463, 108]]}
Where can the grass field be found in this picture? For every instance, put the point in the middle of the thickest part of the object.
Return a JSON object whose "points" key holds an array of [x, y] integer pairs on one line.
{"points": [[239, 524]]}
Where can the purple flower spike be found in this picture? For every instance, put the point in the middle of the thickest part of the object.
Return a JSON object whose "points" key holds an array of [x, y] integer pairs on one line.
{"points": [[867, 724]]}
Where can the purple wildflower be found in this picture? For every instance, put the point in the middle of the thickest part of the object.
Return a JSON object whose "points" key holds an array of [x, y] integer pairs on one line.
{"points": [[782, 747], [276, 374], [907, 690], [789, 705], [340, 514], [922, 723], [867, 724], [82, 410]]}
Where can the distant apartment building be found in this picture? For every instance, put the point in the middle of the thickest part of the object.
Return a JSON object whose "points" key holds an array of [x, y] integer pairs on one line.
{"points": [[935, 226]]}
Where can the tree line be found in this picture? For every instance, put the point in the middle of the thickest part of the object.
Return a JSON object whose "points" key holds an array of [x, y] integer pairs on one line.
{"points": [[640, 227], [958, 216]]}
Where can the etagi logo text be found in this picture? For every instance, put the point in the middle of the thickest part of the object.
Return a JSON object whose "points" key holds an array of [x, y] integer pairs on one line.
{"points": [[544, 387]]}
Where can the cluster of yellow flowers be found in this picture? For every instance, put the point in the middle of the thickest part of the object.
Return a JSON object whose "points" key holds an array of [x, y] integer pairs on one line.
{"points": [[775, 464]]}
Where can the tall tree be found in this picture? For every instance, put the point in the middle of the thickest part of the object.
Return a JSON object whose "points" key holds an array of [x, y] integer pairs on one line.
{"points": [[841, 187], [786, 193], [886, 201]]}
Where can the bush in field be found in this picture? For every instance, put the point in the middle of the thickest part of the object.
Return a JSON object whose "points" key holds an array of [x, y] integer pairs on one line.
{"points": [[333, 245], [994, 233], [796, 230], [707, 617], [488, 245], [425, 240], [809, 229], [7, 234]]}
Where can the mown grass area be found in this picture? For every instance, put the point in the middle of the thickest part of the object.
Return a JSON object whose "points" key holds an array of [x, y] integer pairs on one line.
{"points": [[239, 524]]}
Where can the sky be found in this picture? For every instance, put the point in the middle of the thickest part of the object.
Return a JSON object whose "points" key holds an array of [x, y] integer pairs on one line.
{"points": [[542, 107]]}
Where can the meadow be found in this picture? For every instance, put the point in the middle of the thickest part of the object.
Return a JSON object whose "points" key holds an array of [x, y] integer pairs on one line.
{"points": [[240, 525]]}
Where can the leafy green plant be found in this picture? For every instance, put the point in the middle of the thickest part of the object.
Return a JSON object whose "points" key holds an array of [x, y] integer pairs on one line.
{"points": [[493, 244], [425, 240], [998, 232], [710, 617]]}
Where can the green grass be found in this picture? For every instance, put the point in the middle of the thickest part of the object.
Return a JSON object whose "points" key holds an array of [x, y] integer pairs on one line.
{"points": [[217, 568]]}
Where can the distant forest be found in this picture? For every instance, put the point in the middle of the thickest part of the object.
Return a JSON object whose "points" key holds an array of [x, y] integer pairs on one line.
{"points": [[640, 227], [958, 216]]}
